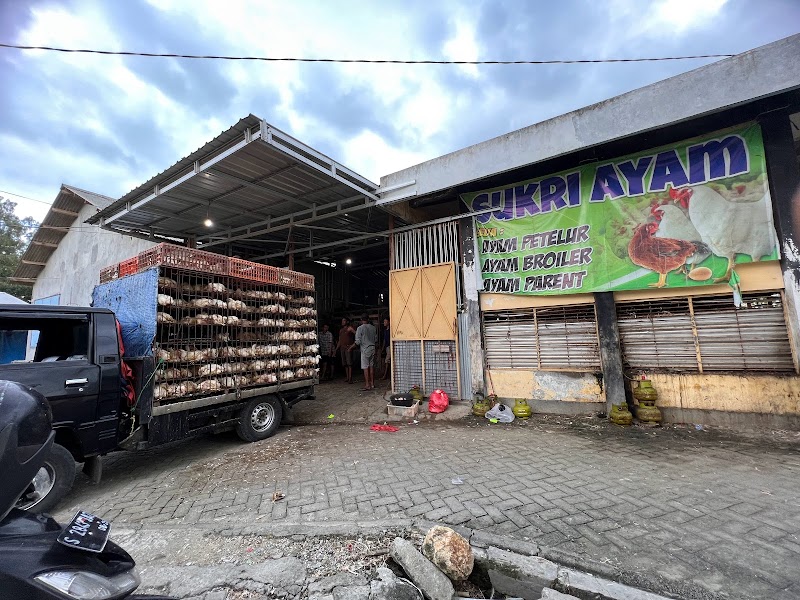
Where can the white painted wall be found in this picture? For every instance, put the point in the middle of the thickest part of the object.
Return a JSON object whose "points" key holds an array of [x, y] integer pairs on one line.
{"points": [[74, 268]]}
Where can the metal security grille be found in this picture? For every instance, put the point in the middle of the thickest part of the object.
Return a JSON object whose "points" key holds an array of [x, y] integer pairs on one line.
{"points": [[406, 364], [707, 333], [546, 338], [441, 367], [423, 246]]}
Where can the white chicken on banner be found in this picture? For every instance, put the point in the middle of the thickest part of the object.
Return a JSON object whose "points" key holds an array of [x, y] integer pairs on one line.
{"points": [[729, 226]]}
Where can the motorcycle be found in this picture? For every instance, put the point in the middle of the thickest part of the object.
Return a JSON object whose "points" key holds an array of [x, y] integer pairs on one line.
{"points": [[40, 559]]}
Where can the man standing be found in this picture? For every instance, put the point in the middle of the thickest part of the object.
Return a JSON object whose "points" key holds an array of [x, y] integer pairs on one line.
{"points": [[366, 335], [387, 350], [326, 352], [347, 335]]}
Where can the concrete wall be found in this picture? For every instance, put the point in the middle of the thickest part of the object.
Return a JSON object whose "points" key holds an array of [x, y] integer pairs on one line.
{"points": [[743, 401], [74, 268], [555, 392]]}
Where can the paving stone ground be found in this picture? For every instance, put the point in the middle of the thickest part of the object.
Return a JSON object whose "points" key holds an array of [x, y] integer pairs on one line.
{"points": [[712, 509]]}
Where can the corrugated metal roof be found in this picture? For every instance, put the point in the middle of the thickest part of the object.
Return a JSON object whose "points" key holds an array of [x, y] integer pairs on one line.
{"points": [[57, 222], [97, 200], [257, 184]]}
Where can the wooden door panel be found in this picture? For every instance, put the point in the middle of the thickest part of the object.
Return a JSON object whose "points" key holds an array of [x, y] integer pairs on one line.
{"points": [[438, 302], [405, 304]]}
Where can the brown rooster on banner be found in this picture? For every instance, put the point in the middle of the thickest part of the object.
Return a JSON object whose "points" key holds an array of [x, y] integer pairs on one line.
{"points": [[661, 255]]}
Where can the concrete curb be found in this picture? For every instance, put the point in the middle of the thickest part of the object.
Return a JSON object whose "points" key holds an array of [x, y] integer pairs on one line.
{"points": [[283, 528], [568, 575], [571, 576]]}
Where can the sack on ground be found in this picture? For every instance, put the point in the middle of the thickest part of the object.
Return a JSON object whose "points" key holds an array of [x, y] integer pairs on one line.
{"points": [[500, 412], [438, 402]]}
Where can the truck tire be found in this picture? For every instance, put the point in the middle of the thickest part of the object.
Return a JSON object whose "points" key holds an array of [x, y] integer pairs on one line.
{"points": [[53, 481], [259, 418]]}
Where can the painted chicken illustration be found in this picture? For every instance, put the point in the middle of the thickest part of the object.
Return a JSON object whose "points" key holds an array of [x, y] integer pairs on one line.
{"points": [[674, 224], [661, 255], [728, 227]]}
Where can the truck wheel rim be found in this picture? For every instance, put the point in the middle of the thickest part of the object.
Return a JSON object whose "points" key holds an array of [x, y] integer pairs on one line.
{"points": [[40, 487], [262, 417]]}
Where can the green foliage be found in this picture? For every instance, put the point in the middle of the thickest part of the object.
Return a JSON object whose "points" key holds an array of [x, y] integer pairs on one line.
{"points": [[15, 235]]}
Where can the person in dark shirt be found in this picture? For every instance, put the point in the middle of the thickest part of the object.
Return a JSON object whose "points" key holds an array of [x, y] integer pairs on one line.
{"points": [[387, 350], [326, 352], [347, 337]]}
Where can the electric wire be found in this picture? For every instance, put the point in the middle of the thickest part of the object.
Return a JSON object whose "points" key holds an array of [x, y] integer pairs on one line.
{"points": [[363, 60], [26, 197]]}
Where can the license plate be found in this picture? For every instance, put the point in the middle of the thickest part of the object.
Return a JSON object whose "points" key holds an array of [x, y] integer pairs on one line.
{"points": [[85, 532]]}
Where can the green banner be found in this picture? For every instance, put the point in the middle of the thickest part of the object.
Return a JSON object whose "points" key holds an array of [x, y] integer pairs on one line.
{"points": [[677, 216]]}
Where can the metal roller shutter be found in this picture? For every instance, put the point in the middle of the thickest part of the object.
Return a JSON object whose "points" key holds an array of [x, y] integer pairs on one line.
{"points": [[657, 334], [546, 338], [706, 333], [751, 338]]}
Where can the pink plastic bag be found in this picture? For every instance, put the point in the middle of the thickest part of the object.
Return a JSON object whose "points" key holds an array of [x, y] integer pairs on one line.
{"points": [[438, 401]]}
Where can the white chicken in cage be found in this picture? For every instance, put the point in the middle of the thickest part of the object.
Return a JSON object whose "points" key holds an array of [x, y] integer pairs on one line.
{"points": [[210, 369], [236, 305], [164, 300], [209, 385]]}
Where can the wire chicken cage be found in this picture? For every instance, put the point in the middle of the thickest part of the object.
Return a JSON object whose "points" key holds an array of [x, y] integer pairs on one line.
{"points": [[218, 332]]}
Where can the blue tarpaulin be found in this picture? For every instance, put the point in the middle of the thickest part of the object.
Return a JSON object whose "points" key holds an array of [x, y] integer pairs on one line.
{"points": [[12, 346], [134, 300]]}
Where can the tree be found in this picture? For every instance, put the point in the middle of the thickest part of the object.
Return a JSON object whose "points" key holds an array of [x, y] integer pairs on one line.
{"points": [[15, 235]]}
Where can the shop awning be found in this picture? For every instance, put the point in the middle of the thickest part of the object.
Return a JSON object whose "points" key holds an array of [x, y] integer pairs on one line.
{"points": [[266, 193]]}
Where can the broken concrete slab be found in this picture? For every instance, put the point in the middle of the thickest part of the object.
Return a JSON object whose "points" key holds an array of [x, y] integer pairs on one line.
{"points": [[352, 592], [286, 574], [584, 584], [328, 584], [484, 539], [425, 575], [517, 565], [527, 589], [551, 594], [388, 586]]}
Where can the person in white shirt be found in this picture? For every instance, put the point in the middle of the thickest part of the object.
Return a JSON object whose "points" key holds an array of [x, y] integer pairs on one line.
{"points": [[366, 336]]}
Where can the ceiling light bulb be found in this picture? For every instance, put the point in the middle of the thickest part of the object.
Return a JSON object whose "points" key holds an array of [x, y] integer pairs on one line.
{"points": [[349, 261], [208, 222]]}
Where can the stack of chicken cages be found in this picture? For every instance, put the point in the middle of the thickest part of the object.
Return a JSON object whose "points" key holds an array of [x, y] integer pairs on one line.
{"points": [[214, 324]]}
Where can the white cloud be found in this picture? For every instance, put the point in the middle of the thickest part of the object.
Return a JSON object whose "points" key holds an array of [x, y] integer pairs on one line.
{"points": [[410, 113], [370, 155], [680, 16]]}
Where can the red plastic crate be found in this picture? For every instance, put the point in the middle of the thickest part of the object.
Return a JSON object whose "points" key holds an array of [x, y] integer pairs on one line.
{"points": [[246, 269], [129, 266], [293, 279], [169, 255], [179, 257], [109, 273]]}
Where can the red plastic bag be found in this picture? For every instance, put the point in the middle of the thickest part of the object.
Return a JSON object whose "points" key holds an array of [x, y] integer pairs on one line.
{"points": [[438, 401], [384, 427]]}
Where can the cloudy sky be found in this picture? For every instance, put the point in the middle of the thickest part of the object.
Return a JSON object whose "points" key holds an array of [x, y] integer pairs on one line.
{"points": [[108, 123]]}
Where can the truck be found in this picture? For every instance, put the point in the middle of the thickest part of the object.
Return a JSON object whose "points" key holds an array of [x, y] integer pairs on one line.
{"points": [[178, 345]]}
